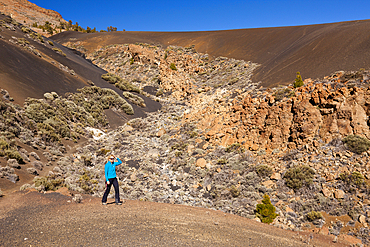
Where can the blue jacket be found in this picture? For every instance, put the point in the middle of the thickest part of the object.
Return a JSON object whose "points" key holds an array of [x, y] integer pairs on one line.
{"points": [[110, 169]]}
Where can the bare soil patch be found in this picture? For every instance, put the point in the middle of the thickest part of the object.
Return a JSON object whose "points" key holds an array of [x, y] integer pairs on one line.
{"points": [[32, 218]]}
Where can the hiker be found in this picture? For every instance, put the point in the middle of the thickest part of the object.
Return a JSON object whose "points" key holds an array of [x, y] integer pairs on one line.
{"points": [[111, 178]]}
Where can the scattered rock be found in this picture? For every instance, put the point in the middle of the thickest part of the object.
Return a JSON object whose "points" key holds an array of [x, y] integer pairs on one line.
{"points": [[77, 198], [161, 132], [38, 165], [33, 154], [13, 163], [276, 176], [326, 192], [201, 163], [339, 194], [32, 171]]}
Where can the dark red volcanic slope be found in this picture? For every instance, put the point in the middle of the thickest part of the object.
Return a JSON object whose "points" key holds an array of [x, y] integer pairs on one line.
{"points": [[314, 50], [24, 74]]}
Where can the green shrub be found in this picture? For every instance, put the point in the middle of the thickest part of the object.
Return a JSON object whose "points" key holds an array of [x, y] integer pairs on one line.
{"points": [[49, 183], [181, 146], [266, 211], [57, 50], [193, 134], [264, 171], [50, 42], [355, 179], [134, 99], [159, 93], [3, 144], [103, 98], [37, 36], [283, 93], [13, 154], [173, 66], [298, 81], [235, 147], [26, 30], [313, 215], [7, 150], [298, 176], [111, 78], [234, 191], [120, 83], [356, 144], [103, 152], [87, 182], [222, 161]]}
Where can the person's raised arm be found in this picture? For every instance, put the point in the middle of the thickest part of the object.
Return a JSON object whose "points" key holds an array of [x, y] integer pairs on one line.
{"points": [[118, 162]]}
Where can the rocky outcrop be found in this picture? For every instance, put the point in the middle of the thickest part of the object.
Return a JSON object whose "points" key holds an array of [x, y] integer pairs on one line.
{"points": [[28, 13], [313, 115], [176, 71]]}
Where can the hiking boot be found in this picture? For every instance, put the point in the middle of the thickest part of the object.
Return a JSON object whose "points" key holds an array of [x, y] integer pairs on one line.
{"points": [[104, 203], [118, 203]]}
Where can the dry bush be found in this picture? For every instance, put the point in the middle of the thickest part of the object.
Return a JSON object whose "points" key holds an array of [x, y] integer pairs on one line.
{"points": [[299, 176], [356, 144], [137, 100]]}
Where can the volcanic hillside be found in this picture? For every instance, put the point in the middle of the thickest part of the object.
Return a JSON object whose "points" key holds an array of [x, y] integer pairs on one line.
{"points": [[209, 135], [32, 65], [314, 50]]}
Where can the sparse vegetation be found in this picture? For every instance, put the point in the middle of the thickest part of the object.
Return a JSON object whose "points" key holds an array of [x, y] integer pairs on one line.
{"points": [[137, 100], [193, 134], [283, 93], [159, 92], [57, 50], [37, 36], [26, 30], [353, 181], [111, 29], [313, 215], [222, 161], [120, 83], [263, 170], [236, 147], [48, 183], [356, 144], [299, 176], [88, 182], [235, 192]]}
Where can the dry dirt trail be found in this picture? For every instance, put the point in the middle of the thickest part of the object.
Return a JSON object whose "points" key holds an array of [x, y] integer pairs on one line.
{"points": [[34, 219]]}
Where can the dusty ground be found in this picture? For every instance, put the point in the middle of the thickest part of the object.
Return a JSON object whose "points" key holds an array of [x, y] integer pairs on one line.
{"points": [[34, 219]]}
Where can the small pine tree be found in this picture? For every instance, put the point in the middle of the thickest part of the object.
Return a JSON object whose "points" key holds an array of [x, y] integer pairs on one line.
{"points": [[298, 80], [173, 66], [266, 211]]}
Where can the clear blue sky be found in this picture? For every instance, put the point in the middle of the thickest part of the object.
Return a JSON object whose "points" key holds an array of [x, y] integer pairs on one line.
{"points": [[137, 15]]}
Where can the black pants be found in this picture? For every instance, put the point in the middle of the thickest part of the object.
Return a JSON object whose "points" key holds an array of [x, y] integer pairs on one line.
{"points": [[113, 181]]}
